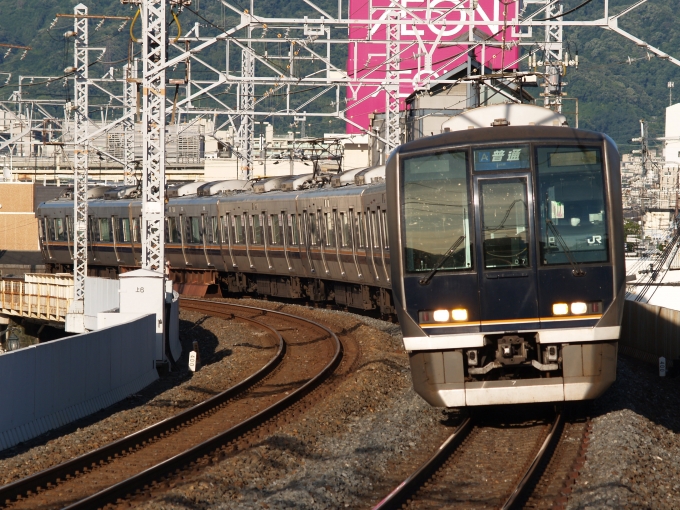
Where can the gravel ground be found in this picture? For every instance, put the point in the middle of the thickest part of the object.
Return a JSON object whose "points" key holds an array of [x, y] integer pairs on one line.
{"points": [[633, 458], [230, 351], [352, 447]]}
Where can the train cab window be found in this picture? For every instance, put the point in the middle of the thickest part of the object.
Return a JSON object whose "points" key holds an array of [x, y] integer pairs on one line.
{"points": [[239, 229], [571, 205], [256, 228], [293, 233], [275, 226], [504, 223], [436, 211], [124, 230], [172, 231], [345, 233], [330, 229]]}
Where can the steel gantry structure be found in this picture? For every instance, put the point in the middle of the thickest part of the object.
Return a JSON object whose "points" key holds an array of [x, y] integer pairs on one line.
{"points": [[75, 318]]}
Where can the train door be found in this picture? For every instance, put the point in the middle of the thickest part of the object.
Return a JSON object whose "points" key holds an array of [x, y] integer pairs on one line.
{"points": [[115, 236], [505, 254]]}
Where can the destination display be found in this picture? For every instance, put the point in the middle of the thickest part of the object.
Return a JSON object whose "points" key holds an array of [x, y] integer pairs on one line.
{"points": [[502, 158]]}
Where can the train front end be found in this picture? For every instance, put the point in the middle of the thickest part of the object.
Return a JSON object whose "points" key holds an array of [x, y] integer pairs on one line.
{"points": [[507, 271]]}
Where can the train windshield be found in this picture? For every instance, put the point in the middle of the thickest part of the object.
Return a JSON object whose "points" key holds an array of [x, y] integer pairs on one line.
{"points": [[436, 212], [573, 220]]}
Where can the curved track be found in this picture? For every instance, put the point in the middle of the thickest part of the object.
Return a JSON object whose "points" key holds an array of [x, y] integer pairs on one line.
{"points": [[307, 354], [480, 466]]}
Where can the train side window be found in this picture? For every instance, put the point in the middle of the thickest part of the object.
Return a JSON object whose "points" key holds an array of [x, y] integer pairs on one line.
{"points": [[276, 229], [173, 231], [256, 228], [104, 230], [361, 236], [69, 227], [193, 230], [136, 229], [313, 235], [294, 231], [92, 227], [345, 230], [374, 230], [224, 229], [50, 228], [59, 231], [124, 230], [41, 229], [214, 239], [239, 229], [330, 229], [383, 229]]}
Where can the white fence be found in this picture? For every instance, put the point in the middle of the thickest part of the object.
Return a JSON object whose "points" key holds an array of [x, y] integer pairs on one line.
{"points": [[49, 385]]}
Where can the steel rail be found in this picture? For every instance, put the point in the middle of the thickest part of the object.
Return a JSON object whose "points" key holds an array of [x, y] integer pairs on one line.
{"points": [[54, 474], [410, 486], [184, 460], [525, 485]]}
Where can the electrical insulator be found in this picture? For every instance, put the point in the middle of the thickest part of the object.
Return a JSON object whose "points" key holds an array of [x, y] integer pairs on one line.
{"points": [[70, 34]]}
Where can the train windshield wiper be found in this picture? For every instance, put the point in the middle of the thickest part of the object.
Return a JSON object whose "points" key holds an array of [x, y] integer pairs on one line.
{"points": [[425, 280], [577, 271]]}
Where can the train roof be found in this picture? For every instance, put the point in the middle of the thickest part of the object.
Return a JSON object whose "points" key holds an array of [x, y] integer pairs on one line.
{"points": [[502, 134]]}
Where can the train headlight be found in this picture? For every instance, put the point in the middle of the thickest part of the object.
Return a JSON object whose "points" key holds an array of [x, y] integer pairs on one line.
{"points": [[560, 309], [459, 314], [441, 315], [579, 308]]}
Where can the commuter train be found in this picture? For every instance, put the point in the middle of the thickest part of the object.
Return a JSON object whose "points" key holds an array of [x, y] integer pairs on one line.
{"points": [[500, 249]]}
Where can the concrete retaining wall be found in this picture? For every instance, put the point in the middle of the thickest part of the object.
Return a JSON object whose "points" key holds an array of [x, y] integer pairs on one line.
{"points": [[648, 332], [49, 385]]}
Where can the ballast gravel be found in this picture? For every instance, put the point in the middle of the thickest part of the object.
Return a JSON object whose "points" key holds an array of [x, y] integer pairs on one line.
{"points": [[348, 451], [365, 437], [633, 458]]}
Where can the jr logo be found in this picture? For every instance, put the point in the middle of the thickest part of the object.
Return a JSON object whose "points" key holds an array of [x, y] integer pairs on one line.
{"points": [[595, 240]]}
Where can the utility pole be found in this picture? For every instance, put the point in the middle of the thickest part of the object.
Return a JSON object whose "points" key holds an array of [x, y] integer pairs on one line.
{"points": [[75, 322]]}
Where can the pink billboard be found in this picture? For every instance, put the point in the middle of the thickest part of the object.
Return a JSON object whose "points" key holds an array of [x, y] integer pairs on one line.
{"points": [[429, 46]]}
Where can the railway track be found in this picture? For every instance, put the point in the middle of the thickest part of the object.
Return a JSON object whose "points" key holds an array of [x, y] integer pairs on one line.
{"points": [[308, 353], [485, 463]]}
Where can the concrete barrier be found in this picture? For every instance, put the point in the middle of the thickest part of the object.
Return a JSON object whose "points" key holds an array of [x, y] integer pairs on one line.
{"points": [[49, 385], [649, 331]]}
